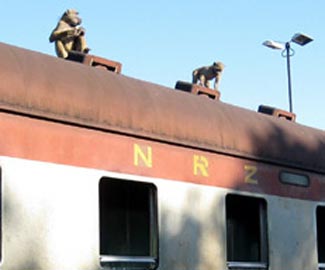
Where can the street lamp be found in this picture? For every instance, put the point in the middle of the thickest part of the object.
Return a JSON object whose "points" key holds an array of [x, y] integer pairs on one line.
{"points": [[287, 52]]}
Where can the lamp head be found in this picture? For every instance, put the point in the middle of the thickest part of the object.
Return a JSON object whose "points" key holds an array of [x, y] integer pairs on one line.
{"points": [[274, 45], [301, 39]]}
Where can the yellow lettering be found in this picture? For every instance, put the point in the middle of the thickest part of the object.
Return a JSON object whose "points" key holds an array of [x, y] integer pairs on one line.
{"points": [[250, 172], [142, 155], [200, 165]]}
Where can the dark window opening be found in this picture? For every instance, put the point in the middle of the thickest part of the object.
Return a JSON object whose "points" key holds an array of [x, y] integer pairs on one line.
{"points": [[246, 232], [320, 219], [128, 224], [0, 215]]}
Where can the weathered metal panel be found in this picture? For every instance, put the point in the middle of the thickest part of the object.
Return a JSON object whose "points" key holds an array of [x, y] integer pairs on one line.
{"points": [[44, 86]]}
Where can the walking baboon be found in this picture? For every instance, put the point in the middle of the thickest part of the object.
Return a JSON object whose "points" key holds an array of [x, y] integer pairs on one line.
{"points": [[69, 35], [203, 75]]}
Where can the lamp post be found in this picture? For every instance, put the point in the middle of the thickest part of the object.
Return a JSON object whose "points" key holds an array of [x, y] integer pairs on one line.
{"points": [[287, 52]]}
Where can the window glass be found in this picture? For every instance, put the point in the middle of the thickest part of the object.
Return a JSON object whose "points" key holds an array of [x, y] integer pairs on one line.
{"points": [[290, 178], [246, 232], [0, 216], [320, 216], [128, 223]]}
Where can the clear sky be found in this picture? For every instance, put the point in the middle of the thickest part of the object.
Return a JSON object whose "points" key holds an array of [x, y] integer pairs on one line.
{"points": [[163, 41]]}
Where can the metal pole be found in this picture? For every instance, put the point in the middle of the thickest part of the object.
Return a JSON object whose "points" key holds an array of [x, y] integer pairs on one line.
{"points": [[289, 75]]}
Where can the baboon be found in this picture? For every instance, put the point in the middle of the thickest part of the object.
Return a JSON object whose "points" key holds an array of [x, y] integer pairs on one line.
{"points": [[203, 75], [69, 35]]}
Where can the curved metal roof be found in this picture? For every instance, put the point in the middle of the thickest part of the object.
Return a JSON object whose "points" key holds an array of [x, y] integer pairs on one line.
{"points": [[49, 87]]}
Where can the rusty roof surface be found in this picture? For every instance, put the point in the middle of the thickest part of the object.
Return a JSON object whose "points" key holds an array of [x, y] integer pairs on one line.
{"points": [[45, 86]]}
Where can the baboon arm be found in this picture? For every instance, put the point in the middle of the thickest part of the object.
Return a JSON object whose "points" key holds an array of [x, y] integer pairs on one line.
{"points": [[217, 81], [57, 35], [62, 31]]}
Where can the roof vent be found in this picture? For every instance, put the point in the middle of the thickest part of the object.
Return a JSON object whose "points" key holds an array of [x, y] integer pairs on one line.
{"points": [[197, 90], [277, 113], [95, 61]]}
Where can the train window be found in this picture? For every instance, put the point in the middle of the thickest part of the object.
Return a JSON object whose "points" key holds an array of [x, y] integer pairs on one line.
{"points": [[320, 219], [246, 232], [128, 224], [0, 216], [295, 179]]}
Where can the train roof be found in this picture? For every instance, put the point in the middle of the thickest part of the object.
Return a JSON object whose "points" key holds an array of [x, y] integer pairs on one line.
{"points": [[47, 87]]}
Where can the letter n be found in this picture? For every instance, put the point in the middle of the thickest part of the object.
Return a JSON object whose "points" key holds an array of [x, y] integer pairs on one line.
{"points": [[142, 156]]}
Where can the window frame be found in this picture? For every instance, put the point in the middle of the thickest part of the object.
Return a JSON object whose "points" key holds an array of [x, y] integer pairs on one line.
{"points": [[1, 215], [130, 261], [262, 235], [321, 264]]}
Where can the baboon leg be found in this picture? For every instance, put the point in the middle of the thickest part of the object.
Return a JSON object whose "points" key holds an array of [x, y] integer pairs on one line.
{"points": [[60, 49], [203, 80], [194, 77], [80, 44]]}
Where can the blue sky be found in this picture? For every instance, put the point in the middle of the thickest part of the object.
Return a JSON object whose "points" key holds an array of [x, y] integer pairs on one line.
{"points": [[163, 41]]}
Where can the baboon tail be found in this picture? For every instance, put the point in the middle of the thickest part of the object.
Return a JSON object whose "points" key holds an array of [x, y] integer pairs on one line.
{"points": [[194, 76]]}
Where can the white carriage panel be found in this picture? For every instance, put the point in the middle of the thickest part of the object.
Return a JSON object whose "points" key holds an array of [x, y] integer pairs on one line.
{"points": [[192, 228], [292, 233], [50, 216]]}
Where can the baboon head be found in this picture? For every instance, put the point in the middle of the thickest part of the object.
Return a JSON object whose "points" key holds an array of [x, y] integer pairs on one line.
{"points": [[218, 66], [71, 17]]}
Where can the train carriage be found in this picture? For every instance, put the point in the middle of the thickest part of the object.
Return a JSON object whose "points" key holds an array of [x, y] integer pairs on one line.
{"points": [[103, 171]]}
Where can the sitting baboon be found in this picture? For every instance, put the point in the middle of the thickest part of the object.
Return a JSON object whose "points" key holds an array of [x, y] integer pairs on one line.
{"points": [[69, 35], [204, 74]]}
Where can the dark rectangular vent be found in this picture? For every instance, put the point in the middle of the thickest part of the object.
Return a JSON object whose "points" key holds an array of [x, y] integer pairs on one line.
{"points": [[95, 61], [197, 90], [277, 112]]}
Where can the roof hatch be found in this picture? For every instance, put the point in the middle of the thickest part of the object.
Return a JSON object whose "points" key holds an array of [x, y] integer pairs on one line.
{"points": [[277, 113]]}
